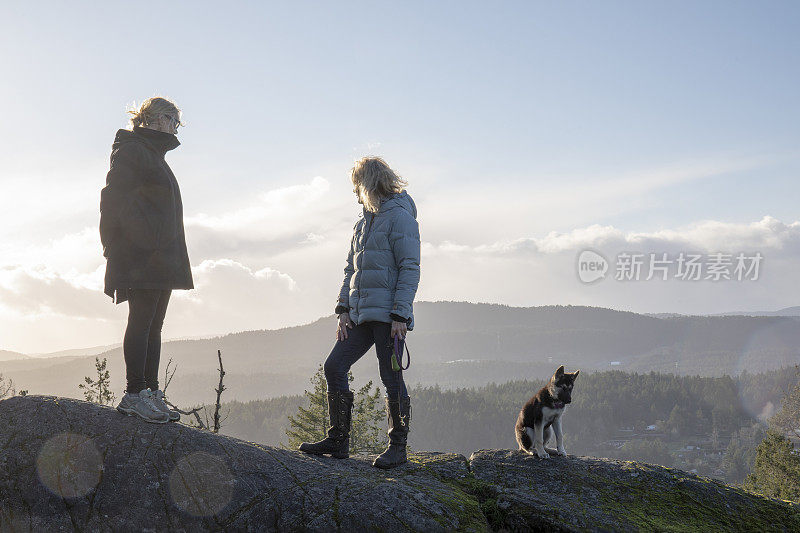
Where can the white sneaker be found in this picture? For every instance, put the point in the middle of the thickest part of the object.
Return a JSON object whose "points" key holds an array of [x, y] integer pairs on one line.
{"points": [[158, 398], [142, 406]]}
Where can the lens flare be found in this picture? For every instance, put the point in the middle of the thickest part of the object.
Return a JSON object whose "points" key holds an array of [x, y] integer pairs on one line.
{"points": [[69, 465], [201, 484], [770, 346]]}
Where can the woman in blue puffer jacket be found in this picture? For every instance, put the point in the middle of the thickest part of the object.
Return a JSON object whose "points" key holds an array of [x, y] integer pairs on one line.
{"points": [[375, 307]]}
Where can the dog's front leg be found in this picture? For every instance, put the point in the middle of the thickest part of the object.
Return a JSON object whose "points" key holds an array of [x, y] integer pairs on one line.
{"points": [[538, 441], [559, 436]]}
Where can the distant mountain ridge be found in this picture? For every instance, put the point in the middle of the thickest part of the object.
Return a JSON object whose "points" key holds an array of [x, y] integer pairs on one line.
{"points": [[457, 344], [76, 351], [786, 311], [6, 355]]}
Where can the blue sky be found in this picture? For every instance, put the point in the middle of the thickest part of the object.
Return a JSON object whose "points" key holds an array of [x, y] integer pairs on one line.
{"points": [[510, 120]]}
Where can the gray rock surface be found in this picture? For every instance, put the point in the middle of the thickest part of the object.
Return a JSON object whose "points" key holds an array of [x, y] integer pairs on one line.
{"points": [[71, 465], [68, 465], [590, 494]]}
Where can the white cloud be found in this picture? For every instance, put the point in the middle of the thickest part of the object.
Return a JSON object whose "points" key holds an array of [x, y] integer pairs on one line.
{"points": [[275, 221], [313, 238], [267, 214], [40, 291], [238, 256], [230, 296], [711, 235], [210, 272], [78, 253], [541, 270], [302, 280], [277, 260], [707, 236]]}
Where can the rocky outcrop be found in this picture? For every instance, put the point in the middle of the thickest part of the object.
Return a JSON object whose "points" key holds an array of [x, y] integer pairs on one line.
{"points": [[68, 465], [589, 494]]}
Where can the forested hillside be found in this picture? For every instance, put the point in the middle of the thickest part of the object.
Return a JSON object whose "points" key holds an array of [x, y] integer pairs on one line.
{"points": [[707, 424]]}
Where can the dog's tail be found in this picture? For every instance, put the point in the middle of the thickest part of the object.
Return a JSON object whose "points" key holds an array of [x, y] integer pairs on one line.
{"points": [[523, 438]]}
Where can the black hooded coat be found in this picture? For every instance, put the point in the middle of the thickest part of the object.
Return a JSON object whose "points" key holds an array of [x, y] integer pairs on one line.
{"points": [[141, 217]]}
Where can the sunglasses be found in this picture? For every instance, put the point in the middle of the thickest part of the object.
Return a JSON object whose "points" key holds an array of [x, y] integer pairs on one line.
{"points": [[173, 119]]}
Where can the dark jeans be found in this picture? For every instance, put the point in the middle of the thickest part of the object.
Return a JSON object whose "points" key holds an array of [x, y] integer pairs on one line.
{"points": [[142, 345], [359, 340]]}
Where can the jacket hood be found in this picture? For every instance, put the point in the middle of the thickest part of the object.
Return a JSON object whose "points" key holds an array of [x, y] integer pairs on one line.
{"points": [[400, 200], [157, 140]]}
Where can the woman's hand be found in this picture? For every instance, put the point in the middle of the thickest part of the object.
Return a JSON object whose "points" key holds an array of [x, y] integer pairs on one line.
{"points": [[399, 328], [344, 323]]}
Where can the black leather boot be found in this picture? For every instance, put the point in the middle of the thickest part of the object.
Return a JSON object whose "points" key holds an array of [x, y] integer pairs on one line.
{"points": [[337, 443], [399, 419]]}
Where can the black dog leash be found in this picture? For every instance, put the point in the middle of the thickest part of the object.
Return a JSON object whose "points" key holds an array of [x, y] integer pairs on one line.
{"points": [[397, 355], [397, 363]]}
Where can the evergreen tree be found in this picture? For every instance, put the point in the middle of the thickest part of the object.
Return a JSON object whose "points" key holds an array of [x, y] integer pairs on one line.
{"points": [[311, 423], [787, 420], [741, 452], [367, 435], [99, 390], [776, 471]]}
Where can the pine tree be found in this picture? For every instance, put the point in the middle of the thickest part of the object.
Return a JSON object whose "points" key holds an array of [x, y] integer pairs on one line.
{"points": [[99, 390], [787, 420], [776, 471], [368, 413], [311, 423], [741, 452]]}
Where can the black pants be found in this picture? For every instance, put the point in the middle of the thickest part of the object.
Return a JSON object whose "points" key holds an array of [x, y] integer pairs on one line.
{"points": [[359, 340], [142, 345]]}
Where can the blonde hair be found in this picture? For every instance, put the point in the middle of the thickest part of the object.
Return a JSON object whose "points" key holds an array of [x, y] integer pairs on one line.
{"points": [[373, 180], [151, 109]]}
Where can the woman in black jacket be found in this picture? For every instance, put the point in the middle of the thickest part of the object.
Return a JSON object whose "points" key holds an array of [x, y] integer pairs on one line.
{"points": [[141, 229]]}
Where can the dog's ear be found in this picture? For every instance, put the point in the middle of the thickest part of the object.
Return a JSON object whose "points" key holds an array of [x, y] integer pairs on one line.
{"points": [[575, 374], [559, 372]]}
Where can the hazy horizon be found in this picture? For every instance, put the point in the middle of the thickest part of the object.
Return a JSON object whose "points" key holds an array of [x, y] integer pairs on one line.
{"points": [[86, 349]]}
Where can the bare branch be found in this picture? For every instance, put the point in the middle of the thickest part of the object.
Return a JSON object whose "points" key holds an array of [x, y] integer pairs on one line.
{"points": [[194, 412], [219, 390], [167, 375], [6, 387]]}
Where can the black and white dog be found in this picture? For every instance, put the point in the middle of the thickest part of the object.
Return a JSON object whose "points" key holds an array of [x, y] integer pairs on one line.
{"points": [[540, 417]]}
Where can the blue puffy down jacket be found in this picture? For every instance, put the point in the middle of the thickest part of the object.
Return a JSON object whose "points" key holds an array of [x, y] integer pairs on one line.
{"points": [[382, 271]]}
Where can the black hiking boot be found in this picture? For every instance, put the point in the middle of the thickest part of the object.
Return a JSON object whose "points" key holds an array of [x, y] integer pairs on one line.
{"points": [[337, 443], [399, 418]]}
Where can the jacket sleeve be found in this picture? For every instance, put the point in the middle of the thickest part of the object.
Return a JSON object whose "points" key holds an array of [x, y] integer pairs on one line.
{"points": [[121, 179], [343, 303], [405, 243]]}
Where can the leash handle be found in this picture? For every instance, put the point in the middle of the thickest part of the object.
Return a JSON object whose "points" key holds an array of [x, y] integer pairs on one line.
{"points": [[397, 355]]}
